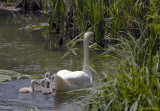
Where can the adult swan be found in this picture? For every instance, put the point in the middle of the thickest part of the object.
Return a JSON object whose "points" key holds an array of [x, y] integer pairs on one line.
{"points": [[66, 80]]}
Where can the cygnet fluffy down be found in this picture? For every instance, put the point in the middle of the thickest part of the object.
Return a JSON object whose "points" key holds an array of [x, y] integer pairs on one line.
{"points": [[28, 89]]}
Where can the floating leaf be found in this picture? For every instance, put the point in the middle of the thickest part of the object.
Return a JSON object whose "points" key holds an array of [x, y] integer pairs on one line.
{"points": [[4, 78], [6, 75]]}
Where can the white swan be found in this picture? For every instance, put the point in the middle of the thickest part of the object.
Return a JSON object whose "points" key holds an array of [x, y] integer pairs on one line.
{"points": [[66, 80], [28, 89]]}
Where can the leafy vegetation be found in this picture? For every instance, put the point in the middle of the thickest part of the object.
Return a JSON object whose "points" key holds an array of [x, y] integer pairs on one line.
{"points": [[6, 75], [131, 85], [128, 30], [132, 32]]}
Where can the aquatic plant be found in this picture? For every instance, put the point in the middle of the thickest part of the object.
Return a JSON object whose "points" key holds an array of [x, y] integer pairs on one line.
{"points": [[104, 17], [31, 108], [133, 84], [130, 30], [132, 34]]}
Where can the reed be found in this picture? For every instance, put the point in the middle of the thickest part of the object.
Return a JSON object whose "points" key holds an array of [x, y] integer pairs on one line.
{"points": [[104, 17], [133, 84], [130, 29]]}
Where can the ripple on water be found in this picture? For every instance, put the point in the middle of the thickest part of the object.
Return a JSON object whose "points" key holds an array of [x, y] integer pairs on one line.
{"points": [[11, 99]]}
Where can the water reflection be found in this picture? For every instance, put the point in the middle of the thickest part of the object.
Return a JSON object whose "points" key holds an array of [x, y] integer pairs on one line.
{"points": [[25, 52], [64, 102]]}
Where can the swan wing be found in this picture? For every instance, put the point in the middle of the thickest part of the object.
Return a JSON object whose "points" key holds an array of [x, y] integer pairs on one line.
{"points": [[75, 78], [79, 77], [61, 84], [63, 72], [66, 80]]}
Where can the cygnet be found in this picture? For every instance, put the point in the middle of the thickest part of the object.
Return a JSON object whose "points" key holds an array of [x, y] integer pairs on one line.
{"points": [[28, 89], [52, 85], [46, 89]]}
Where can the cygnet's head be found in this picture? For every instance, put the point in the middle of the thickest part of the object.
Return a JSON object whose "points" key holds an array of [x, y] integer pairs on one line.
{"points": [[33, 83], [52, 78], [44, 82], [47, 74]]}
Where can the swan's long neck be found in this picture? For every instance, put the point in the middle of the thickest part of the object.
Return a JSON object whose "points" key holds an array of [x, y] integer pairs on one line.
{"points": [[86, 57]]}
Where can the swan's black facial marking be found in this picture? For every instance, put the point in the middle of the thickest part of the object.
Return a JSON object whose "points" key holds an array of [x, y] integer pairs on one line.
{"points": [[94, 38]]}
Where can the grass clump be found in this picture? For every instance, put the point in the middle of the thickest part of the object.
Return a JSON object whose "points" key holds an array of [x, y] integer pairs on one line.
{"points": [[134, 83], [132, 34], [131, 31]]}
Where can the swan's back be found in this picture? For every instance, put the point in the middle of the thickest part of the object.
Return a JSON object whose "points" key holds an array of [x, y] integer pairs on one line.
{"points": [[63, 72], [71, 80], [75, 77]]}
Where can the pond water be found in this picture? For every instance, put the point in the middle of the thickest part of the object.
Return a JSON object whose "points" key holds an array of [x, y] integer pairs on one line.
{"points": [[12, 100], [24, 51]]}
